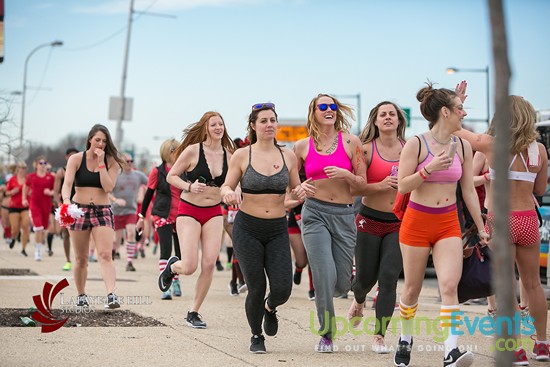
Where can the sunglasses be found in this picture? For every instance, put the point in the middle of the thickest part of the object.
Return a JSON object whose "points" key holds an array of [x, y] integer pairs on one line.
{"points": [[42, 163], [259, 106], [325, 106], [130, 161]]}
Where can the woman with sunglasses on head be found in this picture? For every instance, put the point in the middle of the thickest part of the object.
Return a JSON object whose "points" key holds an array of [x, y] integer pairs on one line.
{"points": [[39, 191], [203, 158], [334, 166], [164, 212], [18, 213], [430, 168], [94, 173], [527, 175], [265, 171], [377, 253]]}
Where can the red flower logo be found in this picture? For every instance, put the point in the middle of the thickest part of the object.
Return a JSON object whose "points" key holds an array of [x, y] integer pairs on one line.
{"points": [[44, 305]]}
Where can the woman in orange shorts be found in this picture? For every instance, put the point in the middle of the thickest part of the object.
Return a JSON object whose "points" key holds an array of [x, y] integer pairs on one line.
{"points": [[430, 167]]}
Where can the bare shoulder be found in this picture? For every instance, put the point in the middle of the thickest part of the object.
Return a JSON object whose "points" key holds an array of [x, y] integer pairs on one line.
{"points": [[300, 146], [289, 154], [350, 139]]}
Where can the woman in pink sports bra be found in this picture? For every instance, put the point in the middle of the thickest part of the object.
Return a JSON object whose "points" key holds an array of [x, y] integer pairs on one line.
{"points": [[527, 176], [335, 166], [430, 172]]}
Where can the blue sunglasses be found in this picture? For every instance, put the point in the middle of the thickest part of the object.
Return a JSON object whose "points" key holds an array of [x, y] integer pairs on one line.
{"points": [[325, 106], [259, 106]]}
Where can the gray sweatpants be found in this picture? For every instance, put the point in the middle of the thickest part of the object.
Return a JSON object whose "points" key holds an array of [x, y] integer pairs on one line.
{"points": [[328, 232]]}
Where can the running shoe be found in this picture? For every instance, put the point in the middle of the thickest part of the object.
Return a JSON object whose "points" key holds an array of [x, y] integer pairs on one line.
{"points": [[130, 266], [82, 301], [456, 358], [325, 345], [176, 288], [257, 344], [271, 323], [355, 313], [68, 266], [297, 277], [521, 358], [379, 345], [540, 350], [242, 287], [219, 265], [166, 296], [311, 295], [233, 291], [402, 356], [166, 276], [194, 320], [112, 302]]}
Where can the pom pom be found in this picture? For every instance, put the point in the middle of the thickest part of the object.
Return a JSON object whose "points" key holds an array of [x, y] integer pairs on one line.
{"points": [[66, 214]]}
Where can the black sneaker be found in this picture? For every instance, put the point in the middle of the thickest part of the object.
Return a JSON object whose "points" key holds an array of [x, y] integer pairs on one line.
{"points": [[271, 324], [311, 295], [402, 356], [233, 291], [130, 267], [24, 253], [257, 344], [219, 265], [297, 277], [112, 302], [12, 243], [166, 276], [82, 300], [194, 320], [142, 253], [456, 358]]}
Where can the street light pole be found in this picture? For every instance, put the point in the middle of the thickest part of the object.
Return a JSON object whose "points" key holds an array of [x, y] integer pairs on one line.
{"points": [[484, 70], [24, 92]]}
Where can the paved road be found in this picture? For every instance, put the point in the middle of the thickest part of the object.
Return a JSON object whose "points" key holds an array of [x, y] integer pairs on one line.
{"points": [[224, 343]]}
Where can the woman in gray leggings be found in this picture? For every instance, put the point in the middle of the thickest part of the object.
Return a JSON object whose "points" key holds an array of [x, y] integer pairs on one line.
{"points": [[334, 165], [265, 171]]}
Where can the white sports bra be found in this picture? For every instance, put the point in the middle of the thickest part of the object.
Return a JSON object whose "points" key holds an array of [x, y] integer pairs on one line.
{"points": [[520, 175]]}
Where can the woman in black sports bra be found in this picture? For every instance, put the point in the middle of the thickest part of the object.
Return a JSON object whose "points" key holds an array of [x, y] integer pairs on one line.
{"points": [[203, 157], [94, 173], [260, 236]]}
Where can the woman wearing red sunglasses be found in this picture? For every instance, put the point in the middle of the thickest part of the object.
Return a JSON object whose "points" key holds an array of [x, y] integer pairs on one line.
{"points": [[334, 164]]}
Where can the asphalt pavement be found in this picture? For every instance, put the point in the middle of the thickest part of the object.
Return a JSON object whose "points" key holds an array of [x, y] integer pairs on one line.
{"points": [[226, 340]]}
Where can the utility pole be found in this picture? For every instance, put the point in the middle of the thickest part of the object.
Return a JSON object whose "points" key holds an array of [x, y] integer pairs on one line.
{"points": [[118, 134]]}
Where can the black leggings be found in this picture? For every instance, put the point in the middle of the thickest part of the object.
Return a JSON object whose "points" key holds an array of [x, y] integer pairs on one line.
{"points": [[378, 259], [166, 234], [262, 247]]}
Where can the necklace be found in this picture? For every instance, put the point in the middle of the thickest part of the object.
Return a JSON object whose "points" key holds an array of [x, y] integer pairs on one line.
{"points": [[437, 141], [332, 148]]}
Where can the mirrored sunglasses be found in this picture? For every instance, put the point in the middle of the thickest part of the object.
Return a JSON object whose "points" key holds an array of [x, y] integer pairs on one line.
{"points": [[325, 106], [259, 106]]}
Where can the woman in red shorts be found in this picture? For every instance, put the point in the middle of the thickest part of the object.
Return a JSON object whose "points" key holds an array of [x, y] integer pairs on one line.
{"points": [[39, 189]]}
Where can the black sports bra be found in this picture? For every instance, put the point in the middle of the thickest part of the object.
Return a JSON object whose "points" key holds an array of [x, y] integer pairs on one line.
{"points": [[202, 170]]}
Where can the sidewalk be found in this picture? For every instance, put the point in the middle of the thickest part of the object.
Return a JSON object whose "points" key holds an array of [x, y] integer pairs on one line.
{"points": [[226, 340]]}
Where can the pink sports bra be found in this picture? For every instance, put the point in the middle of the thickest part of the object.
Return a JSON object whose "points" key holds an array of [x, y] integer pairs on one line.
{"points": [[315, 163], [380, 168], [450, 175]]}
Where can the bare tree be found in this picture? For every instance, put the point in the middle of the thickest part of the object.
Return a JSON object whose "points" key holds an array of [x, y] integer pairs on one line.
{"points": [[502, 276]]}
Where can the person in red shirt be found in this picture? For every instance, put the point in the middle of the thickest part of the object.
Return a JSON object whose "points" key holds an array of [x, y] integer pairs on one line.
{"points": [[39, 188], [18, 213]]}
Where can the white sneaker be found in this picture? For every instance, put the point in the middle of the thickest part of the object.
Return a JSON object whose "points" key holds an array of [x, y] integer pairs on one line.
{"points": [[37, 254], [379, 346]]}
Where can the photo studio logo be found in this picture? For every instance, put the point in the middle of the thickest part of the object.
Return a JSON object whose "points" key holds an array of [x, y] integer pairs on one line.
{"points": [[43, 305]]}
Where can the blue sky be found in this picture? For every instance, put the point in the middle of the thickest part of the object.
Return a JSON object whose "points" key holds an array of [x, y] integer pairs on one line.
{"points": [[226, 55]]}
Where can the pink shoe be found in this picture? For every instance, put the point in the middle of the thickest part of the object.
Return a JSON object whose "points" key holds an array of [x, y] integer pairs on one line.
{"points": [[355, 313]]}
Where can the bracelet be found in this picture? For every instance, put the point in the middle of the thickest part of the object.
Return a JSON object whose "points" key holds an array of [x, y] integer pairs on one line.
{"points": [[140, 216], [101, 167], [422, 175], [428, 172], [189, 190]]}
